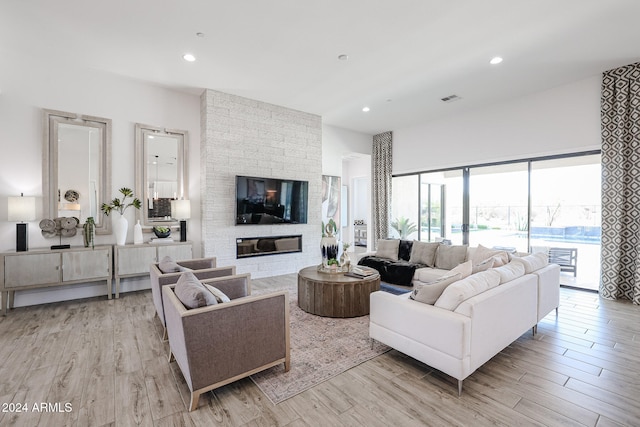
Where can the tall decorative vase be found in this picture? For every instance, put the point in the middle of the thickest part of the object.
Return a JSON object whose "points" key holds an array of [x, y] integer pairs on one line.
{"points": [[89, 232], [137, 234], [120, 229]]}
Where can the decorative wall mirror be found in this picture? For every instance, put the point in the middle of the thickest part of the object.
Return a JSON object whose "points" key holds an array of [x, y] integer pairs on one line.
{"points": [[76, 167], [161, 173]]}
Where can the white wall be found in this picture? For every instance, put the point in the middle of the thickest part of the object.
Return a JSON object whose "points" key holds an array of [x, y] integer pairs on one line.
{"points": [[565, 119], [27, 86], [347, 154]]}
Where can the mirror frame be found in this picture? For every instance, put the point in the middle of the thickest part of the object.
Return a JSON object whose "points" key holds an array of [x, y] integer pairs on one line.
{"points": [[141, 171], [50, 161]]}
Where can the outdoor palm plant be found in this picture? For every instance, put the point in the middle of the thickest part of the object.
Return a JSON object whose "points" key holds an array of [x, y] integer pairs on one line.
{"points": [[404, 227]]}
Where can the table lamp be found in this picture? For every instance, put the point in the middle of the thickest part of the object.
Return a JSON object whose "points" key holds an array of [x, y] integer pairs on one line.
{"points": [[181, 210], [21, 209]]}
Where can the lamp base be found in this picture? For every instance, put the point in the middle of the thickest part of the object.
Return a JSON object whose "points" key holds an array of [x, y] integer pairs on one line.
{"points": [[22, 237], [183, 231]]}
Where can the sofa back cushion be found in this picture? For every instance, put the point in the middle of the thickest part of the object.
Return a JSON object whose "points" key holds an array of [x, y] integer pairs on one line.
{"points": [[424, 253], [482, 253], [464, 289], [449, 256], [510, 272], [532, 262], [429, 293], [388, 248]]}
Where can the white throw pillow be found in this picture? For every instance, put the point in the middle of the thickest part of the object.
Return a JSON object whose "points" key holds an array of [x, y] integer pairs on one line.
{"points": [[388, 249], [424, 253], [464, 289], [465, 269], [429, 293], [510, 272], [483, 253], [218, 294], [483, 266], [533, 262], [449, 256]]}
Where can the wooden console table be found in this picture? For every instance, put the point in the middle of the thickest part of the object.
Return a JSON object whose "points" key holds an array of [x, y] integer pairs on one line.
{"points": [[44, 268], [334, 294]]}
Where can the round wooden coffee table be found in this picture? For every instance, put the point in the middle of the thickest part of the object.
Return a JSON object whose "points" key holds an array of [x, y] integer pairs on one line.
{"points": [[334, 294]]}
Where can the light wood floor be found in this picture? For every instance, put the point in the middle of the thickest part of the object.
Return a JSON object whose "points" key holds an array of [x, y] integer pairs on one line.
{"points": [[105, 358]]}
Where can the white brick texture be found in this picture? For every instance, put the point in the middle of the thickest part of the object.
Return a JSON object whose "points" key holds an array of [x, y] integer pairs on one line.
{"points": [[241, 136]]}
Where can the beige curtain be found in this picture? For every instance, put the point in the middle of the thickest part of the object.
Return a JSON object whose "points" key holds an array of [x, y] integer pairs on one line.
{"points": [[620, 115]]}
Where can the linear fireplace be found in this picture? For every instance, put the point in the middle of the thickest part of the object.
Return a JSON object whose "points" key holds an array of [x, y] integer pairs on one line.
{"points": [[269, 245]]}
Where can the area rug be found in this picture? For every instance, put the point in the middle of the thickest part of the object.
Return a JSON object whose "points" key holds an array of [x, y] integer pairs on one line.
{"points": [[395, 290], [321, 348]]}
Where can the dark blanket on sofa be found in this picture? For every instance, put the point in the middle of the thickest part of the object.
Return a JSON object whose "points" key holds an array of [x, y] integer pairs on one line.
{"points": [[397, 272]]}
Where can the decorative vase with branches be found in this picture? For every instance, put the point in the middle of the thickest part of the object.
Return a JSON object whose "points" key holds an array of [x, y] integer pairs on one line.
{"points": [[120, 206]]}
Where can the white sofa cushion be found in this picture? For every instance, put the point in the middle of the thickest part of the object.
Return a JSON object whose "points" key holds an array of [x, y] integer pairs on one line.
{"points": [[465, 269], [510, 272], [483, 266], [533, 262], [428, 274], [429, 293], [424, 253], [483, 253], [449, 256], [388, 248], [464, 289]]}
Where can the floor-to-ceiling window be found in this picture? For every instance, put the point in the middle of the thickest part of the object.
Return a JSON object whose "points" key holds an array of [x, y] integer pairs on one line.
{"points": [[546, 204]]}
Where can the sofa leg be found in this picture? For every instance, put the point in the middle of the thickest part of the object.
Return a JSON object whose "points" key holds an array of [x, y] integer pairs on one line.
{"points": [[534, 330], [459, 388], [371, 341], [556, 311]]}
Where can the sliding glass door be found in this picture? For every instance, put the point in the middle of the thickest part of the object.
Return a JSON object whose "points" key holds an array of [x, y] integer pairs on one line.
{"points": [[546, 204]]}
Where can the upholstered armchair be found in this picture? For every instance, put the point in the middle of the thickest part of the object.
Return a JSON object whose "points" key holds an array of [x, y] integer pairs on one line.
{"points": [[203, 268], [218, 344]]}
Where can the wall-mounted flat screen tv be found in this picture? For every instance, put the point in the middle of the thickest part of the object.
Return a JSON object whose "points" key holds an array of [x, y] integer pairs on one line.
{"points": [[270, 201]]}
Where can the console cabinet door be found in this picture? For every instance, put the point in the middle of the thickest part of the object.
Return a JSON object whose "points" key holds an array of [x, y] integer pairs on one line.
{"points": [[31, 269], [86, 264], [176, 251], [134, 259]]}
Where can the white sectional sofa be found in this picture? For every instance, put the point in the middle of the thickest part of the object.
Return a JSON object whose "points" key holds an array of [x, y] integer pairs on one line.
{"points": [[457, 338]]}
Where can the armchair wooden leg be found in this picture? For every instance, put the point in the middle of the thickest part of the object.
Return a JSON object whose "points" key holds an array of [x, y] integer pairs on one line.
{"points": [[459, 388], [171, 358], [165, 334], [195, 397]]}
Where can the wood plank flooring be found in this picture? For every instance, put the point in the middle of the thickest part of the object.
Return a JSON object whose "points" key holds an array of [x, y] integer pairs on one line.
{"points": [[106, 361]]}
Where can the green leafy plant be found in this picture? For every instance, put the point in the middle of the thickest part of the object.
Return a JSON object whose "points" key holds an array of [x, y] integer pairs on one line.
{"points": [[162, 229], [404, 227], [121, 205]]}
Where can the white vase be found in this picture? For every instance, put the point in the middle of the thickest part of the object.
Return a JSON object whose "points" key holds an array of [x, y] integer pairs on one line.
{"points": [[120, 229], [137, 234]]}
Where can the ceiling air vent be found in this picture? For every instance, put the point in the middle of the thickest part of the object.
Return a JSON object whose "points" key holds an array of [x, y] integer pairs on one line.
{"points": [[450, 98]]}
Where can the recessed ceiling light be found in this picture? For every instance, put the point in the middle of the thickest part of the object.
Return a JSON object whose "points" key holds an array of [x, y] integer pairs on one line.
{"points": [[343, 57], [188, 57], [495, 60], [366, 109], [200, 34]]}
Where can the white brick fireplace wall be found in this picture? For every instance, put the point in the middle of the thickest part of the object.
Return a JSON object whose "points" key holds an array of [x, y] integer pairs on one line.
{"points": [[241, 136]]}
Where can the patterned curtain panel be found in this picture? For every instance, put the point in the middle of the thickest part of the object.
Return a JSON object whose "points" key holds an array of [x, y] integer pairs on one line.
{"points": [[620, 115], [382, 166]]}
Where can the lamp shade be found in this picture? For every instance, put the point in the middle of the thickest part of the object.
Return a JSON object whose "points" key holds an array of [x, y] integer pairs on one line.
{"points": [[180, 209], [20, 208]]}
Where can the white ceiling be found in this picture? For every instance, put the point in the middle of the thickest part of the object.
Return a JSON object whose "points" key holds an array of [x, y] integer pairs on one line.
{"points": [[404, 55]]}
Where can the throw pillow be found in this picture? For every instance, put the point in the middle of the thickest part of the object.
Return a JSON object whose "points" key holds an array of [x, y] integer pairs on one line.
{"points": [[168, 265], [218, 294], [510, 272], [449, 256], [192, 293], [466, 269], [482, 253], [484, 265], [184, 269], [424, 253], [429, 293], [388, 249], [464, 289], [533, 262]]}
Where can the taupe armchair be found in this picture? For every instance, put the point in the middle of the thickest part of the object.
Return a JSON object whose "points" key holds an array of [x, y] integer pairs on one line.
{"points": [[203, 268], [219, 344]]}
